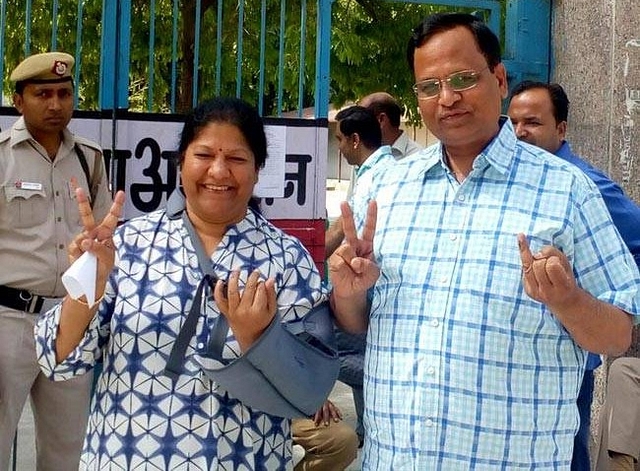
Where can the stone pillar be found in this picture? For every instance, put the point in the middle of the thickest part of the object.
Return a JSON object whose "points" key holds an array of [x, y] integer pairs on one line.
{"points": [[596, 57]]}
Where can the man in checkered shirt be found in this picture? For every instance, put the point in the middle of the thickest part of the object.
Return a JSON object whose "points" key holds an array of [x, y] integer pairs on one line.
{"points": [[490, 268]]}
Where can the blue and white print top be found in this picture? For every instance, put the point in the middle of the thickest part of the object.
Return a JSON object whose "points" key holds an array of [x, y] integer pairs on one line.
{"points": [[463, 370], [139, 418]]}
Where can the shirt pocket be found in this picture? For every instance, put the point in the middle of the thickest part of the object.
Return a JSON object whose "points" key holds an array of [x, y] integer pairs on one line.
{"points": [[24, 208]]}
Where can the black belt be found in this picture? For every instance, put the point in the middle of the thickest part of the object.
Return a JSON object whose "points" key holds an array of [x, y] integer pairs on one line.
{"points": [[21, 299]]}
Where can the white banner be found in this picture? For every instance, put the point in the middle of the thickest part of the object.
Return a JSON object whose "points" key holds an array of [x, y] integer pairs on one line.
{"points": [[292, 185]]}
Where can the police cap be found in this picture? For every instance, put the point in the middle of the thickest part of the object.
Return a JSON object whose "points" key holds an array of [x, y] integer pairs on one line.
{"points": [[48, 67]]}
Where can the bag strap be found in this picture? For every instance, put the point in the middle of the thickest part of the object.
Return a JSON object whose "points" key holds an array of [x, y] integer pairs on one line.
{"points": [[85, 169], [188, 329], [219, 334]]}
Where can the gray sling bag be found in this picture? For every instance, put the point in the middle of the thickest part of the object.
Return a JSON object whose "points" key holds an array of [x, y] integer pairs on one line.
{"points": [[288, 372]]}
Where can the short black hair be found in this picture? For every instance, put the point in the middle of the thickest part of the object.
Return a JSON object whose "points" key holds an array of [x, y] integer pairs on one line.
{"points": [[228, 110], [487, 41], [360, 120], [559, 99]]}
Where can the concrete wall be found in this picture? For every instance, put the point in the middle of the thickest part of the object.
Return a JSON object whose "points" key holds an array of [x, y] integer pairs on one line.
{"points": [[596, 54]]}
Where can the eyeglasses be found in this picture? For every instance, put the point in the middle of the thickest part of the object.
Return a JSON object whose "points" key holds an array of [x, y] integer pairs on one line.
{"points": [[458, 82]]}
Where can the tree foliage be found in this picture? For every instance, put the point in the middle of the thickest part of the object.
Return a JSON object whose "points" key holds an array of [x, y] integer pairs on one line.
{"points": [[368, 49], [369, 46]]}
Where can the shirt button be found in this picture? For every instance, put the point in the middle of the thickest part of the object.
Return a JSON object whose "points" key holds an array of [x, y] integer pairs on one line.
{"points": [[444, 279], [461, 198], [59, 219], [61, 246], [200, 346], [431, 370], [434, 323], [429, 423], [453, 237]]}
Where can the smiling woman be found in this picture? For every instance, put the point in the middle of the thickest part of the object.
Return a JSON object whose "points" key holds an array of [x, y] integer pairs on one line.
{"points": [[197, 371], [219, 167]]}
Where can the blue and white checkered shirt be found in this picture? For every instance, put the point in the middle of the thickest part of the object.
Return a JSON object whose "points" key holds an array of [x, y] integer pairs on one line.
{"points": [[463, 370], [366, 175]]}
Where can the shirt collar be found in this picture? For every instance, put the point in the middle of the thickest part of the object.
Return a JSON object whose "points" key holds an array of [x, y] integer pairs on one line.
{"points": [[379, 154], [20, 134], [399, 146], [564, 151], [498, 153]]}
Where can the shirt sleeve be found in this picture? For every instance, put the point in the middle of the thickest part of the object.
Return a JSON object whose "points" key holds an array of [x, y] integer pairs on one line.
{"points": [[89, 350], [602, 262]]}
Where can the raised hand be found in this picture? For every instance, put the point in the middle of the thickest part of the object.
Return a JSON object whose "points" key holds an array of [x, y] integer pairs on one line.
{"points": [[249, 313], [352, 268], [97, 239], [547, 275]]}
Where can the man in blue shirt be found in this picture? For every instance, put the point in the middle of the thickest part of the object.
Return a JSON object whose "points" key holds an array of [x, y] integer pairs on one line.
{"points": [[479, 278], [360, 138], [539, 113]]}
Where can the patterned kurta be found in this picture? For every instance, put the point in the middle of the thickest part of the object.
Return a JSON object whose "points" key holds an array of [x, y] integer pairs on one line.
{"points": [[140, 419], [463, 370]]}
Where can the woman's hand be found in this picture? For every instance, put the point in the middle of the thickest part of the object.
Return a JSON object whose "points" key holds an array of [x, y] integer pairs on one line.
{"points": [[76, 314], [249, 313], [97, 239]]}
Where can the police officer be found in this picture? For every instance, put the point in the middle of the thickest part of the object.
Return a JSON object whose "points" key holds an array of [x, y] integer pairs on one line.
{"points": [[39, 158]]}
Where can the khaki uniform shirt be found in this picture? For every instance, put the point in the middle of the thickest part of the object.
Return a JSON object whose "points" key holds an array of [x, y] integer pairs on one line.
{"points": [[38, 212]]}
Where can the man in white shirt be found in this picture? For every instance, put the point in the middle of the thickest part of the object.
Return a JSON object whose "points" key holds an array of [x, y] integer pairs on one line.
{"points": [[388, 113]]}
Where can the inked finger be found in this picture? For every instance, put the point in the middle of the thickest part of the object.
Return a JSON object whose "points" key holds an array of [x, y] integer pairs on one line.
{"points": [[220, 295], [526, 257], [233, 294]]}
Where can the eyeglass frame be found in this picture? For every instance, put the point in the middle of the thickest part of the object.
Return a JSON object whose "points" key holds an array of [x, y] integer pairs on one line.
{"points": [[475, 73]]}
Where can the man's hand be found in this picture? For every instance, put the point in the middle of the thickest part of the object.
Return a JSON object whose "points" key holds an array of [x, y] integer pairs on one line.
{"points": [[547, 276], [352, 268], [328, 412], [596, 326]]}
